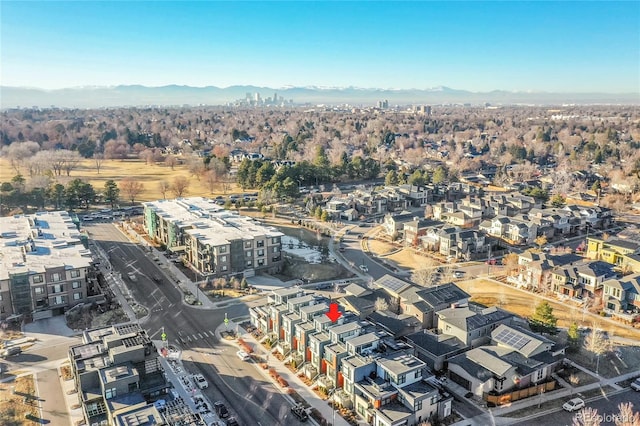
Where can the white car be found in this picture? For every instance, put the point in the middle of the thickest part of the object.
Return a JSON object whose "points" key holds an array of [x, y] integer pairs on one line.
{"points": [[458, 274], [635, 385], [243, 355], [364, 268], [573, 405], [200, 381]]}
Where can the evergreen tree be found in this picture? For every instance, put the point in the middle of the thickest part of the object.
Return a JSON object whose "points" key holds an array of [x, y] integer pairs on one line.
{"points": [[543, 320], [573, 335]]}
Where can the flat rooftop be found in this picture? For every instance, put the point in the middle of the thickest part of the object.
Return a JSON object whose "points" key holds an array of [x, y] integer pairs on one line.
{"points": [[31, 244], [209, 223]]}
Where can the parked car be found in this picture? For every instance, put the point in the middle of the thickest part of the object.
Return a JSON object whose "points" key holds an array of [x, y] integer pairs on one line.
{"points": [[572, 405], [220, 409], [200, 381], [458, 274], [14, 350], [300, 413], [635, 385], [231, 421], [243, 355], [364, 268]]}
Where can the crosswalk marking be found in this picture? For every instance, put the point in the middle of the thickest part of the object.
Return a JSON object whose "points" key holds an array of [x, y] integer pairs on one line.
{"points": [[188, 338], [200, 335]]}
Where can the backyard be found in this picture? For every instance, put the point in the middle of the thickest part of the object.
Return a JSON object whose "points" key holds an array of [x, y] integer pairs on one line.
{"points": [[522, 303]]}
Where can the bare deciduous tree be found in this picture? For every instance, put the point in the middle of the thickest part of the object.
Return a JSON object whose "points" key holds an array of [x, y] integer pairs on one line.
{"points": [[179, 186], [98, 159], [381, 304], [171, 161], [426, 276], [131, 188], [164, 187]]}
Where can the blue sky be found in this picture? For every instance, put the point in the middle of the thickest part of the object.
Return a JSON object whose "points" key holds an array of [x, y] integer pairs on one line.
{"points": [[480, 46]]}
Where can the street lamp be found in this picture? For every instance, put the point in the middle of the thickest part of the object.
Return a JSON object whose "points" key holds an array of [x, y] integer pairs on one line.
{"points": [[333, 406]]}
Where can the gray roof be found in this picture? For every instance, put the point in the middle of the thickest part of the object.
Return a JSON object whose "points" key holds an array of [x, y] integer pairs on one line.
{"points": [[445, 294], [467, 319], [436, 344]]}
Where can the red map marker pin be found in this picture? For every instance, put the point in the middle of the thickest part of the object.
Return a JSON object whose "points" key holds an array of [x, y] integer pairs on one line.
{"points": [[334, 313]]}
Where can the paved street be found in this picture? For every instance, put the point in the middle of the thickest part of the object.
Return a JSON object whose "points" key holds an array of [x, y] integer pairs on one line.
{"points": [[191, 328], [606, 407]]}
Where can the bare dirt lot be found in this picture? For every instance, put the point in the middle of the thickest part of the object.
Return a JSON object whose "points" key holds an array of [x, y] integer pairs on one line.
{"points": [[19, 403]]}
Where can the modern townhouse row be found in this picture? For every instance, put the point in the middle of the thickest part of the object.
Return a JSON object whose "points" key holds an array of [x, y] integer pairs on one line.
{"points": [[462, 229], [45, 266], [591, 283], [381, 362], [214, 241]]}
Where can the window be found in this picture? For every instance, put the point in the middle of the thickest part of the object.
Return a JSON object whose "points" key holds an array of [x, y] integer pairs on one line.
{"points": [[222, 249], [260, 262], [402, 378], [77, 296], [132, 387], [260, 243], [55, 277], [260, 252], [110, 393], [37, 279], [276, 249], [223, 259], [38, 290], [249, 253], [224, 268], [58, 300], [247, 244], [418, 373], [418, 405], [76, 284], [249, 263], [58, 288], [274, 240], [75, 273]]}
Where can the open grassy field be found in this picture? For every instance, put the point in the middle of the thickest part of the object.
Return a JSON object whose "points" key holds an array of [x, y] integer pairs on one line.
{"points": [[523, 304], [149, 175]]}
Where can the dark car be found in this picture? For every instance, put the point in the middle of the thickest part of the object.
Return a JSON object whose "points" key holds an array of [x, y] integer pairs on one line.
{"points": [[231, 421], [221, 409], [14, 350], [300, 413]]}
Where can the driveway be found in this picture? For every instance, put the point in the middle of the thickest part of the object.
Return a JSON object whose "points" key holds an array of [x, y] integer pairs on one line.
{"points": [[52, 403]]}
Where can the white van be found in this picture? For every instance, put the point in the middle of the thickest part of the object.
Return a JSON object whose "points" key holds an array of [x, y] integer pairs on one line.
{"points": [[243, 355]]}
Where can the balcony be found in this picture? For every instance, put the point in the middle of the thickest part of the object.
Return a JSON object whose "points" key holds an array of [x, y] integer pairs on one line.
{"points": [[325, 382]]}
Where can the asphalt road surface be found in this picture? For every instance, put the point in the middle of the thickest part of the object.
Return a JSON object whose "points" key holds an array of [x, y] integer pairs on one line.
{"points": [[250, 396], [607, 408]]}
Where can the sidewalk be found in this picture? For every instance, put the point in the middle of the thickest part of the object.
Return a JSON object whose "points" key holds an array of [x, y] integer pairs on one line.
{"points": [[294, 381]]}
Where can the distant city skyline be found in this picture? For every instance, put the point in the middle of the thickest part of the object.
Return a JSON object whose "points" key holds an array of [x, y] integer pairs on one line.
{"points": [[477, 46]]}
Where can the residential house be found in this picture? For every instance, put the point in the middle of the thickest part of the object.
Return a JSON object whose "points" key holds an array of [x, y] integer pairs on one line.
{"points": [[517, 360], [394, 224], [615, 251], [535, 269], [622, 296], [581, 280], [435, 349], [425, 303], [472, 324]]}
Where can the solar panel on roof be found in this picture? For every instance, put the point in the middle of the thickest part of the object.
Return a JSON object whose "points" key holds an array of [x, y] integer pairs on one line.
{"points": [[512, 338]]}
